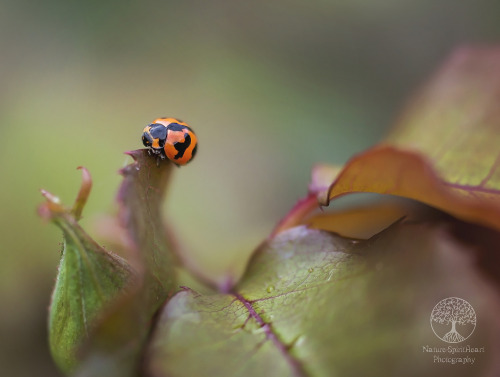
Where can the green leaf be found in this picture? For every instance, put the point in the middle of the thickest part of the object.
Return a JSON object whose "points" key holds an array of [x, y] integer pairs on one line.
{"points": [[454, 121], [88, 280], [315, 304], [116, 346], [102, 309]]}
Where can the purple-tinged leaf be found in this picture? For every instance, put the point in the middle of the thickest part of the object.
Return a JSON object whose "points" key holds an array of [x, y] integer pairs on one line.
{"points": [[115, 348], [316, 304]]}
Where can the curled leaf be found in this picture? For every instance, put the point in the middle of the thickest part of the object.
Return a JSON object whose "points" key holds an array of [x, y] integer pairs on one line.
{"points": [[388, 170], [116, 346], [362, 222], [89, 279], [83, 194], [140, 198], [443, 151]]}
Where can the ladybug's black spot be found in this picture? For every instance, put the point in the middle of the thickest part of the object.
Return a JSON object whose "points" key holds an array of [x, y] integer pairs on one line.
{"points": [[177, 127], [158, 131], [181, 147], [146, 139]]}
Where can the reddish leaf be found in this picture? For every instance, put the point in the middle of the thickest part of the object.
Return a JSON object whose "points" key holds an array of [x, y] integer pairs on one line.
{"points": [[444, 151], [387, 170]]}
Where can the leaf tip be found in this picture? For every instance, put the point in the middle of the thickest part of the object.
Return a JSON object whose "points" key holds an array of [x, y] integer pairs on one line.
{"points": [[50, 197], [136, 153], [51, 207], [83, 194]]}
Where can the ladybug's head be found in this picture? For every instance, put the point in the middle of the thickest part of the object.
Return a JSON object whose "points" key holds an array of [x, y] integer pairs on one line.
{"points": [[154, 136]]}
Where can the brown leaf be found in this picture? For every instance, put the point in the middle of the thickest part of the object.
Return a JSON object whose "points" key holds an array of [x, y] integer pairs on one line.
{"points": [[444, 151]]}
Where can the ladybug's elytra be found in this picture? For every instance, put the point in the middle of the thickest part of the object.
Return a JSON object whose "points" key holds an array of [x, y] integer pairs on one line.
{"points": [[171, 138]]}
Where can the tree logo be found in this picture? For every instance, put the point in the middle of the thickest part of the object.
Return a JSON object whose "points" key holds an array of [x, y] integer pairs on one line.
{"points": [[456, 312]]}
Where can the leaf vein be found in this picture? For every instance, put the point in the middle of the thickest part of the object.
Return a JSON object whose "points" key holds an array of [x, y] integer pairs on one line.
{"points": [[295, 365]]}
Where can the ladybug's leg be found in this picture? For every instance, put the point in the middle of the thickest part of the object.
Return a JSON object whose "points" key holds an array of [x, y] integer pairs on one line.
{"points": [[159, 157]]}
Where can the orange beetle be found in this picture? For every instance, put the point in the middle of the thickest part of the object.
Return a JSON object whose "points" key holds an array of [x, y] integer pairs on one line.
{"points": [[171, 138]]}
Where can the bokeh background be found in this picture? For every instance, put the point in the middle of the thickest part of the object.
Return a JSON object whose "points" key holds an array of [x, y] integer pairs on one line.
{"points": [[271, 88]]}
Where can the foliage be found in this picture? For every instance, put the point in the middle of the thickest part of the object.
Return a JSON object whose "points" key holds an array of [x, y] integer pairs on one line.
{"points": [[340, 293]]}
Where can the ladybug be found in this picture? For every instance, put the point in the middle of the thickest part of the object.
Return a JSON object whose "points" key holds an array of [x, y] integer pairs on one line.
{"points": [[170, 138]]}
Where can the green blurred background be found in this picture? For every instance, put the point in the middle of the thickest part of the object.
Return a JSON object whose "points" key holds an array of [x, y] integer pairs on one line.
{"points": [[271, 87]]}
